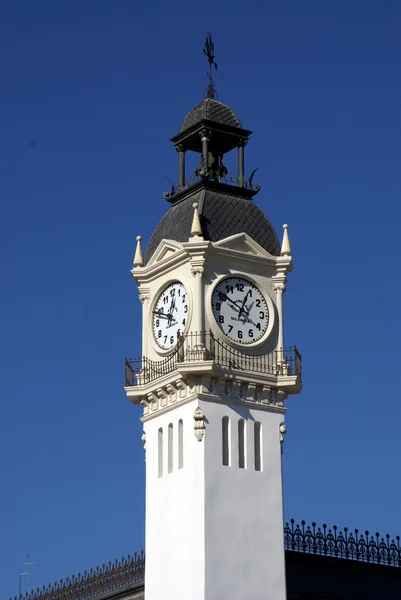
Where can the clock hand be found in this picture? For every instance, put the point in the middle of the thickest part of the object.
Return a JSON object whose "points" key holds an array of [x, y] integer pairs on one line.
{"points": [[232, 302], [162, 315], [235, 305], [172, 307], [243, 304]]}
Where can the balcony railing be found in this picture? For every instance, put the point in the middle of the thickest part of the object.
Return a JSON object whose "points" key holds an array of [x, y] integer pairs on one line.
{"points": [[200, 347]]}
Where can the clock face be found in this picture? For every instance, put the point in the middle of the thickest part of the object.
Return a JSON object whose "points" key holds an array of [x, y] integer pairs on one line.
{"points": [[170, 315], [240, 310]]}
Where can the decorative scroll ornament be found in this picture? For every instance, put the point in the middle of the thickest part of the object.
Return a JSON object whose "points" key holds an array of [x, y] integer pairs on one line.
{"points": [[199, 424], [143, 438], [283, 431]]}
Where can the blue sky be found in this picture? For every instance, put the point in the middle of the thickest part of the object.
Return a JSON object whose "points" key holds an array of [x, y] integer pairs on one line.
{"points": [[91, 94]]}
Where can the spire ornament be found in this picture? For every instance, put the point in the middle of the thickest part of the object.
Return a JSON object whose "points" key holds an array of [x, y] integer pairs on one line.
{"points": [[208, 51], [196, 229], [138, 258], [285, 246]]}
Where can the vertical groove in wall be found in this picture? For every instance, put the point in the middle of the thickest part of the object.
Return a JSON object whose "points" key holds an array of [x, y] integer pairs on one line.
{"points": [[170, 440], [226, 441], [258, 446], [160, 451], [241, 444], [180, 444]]}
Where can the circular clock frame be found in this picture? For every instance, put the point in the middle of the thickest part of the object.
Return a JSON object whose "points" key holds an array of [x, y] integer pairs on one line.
{"points": [[266, 297], [152, 317]]}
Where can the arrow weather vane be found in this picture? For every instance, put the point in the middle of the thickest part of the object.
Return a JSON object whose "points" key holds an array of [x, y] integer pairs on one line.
{"points": [[208, 51]]}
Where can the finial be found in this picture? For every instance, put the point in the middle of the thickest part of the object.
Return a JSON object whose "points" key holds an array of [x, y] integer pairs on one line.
{"points": [[196, 229], [285, 246], [138, 258], [208, 51]]}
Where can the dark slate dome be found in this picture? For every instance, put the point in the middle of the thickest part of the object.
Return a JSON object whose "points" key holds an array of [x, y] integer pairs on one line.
{"points": [[221, 215], [213, 110]]}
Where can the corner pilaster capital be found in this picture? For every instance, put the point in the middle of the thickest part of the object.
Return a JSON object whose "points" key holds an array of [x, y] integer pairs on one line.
{"points": [[144, 294], [197, 270], [196, 250], [279, 282], [205, 134]]}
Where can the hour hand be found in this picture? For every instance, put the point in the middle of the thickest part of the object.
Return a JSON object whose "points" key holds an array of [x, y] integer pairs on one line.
{"points": [[161, 315]]}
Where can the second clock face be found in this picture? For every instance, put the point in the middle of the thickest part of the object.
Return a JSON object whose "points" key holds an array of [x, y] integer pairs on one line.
{"points": [[170, 315], [240, 310]]}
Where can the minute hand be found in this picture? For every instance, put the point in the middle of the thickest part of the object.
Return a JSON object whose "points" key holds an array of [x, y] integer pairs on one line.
{"points": [[241, 310], [234, 304]]}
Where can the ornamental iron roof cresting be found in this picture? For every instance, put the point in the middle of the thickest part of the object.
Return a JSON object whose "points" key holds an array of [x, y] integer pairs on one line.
{"points": [[307, 539]]}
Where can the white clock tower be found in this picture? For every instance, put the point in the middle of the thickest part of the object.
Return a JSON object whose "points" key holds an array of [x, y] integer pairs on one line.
{"points": [[213, 378]]}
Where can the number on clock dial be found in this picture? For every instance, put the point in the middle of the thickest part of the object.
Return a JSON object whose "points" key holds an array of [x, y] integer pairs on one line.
{"points": [[240, 310], [170, 315]]}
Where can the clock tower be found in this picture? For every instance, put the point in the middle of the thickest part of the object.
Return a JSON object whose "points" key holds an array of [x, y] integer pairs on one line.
{"points": [[214, 377]]}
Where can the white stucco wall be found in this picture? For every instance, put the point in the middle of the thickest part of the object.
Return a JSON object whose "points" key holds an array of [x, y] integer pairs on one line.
{"points": [[244, 550], [175, 538], [214, 531]]}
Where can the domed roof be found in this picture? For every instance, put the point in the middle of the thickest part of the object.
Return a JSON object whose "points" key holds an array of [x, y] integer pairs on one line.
{"points": [[213, 110], [221, 214]]}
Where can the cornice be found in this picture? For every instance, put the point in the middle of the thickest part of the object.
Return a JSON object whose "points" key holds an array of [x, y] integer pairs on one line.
{"points": [[214, 384], [245, 256], [151, 272]]}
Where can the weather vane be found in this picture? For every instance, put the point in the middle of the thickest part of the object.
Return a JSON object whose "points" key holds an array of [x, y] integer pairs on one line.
{"points": [[208, 51]]}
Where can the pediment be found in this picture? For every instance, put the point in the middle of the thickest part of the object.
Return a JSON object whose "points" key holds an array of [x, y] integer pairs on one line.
{"points": [[166, 249], [241, 242]]}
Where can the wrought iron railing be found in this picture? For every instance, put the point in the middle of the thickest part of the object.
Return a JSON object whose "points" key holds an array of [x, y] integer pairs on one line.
{"points": [[205, 346], [309, 539], [228, 178], [352, 545], [90, 584]]}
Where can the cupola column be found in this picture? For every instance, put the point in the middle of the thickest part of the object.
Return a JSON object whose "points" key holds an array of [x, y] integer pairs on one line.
{"points": [[241, 162], [205, 152], [181, 160]]}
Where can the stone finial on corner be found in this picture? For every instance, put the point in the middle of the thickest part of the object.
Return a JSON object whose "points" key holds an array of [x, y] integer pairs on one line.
{"points": [[285, 246], [196, 229], [138, 258]]}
